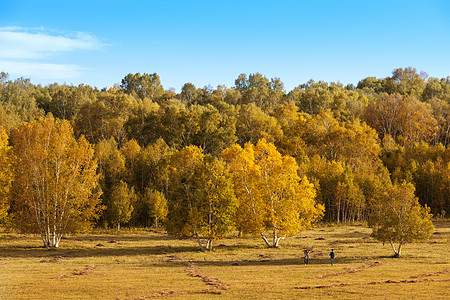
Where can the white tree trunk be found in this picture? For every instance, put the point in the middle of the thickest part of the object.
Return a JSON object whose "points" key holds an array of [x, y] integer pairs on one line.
{"points": [[277, 241], [400, 248], [198, 240], [57, 240], [209, 244], [399, 251], [265, 240]]}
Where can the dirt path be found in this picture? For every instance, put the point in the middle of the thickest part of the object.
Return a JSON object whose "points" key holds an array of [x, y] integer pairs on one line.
{"points": [[163, 293], [79, 272], [216, 283], [351, 270], [193, 271], [411, 279]]}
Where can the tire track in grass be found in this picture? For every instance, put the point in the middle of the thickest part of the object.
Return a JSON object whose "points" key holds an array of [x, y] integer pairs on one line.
{"points": [[163, 293], [193, 271], [351, 270], [411, 279], [79, 272]]}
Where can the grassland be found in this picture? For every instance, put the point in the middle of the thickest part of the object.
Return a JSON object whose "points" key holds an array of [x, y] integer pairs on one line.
{"points": [[143, 264]]}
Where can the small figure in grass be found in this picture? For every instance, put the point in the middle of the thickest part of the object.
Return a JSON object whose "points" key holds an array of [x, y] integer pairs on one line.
{"points": [[332, 256], [306, 257]]}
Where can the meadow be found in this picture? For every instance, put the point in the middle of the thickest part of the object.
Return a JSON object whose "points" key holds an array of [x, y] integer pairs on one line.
{"points": [[146, 264]]}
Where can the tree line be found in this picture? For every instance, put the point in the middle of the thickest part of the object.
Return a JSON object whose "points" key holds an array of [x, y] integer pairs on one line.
{"points": [[201, 162]]}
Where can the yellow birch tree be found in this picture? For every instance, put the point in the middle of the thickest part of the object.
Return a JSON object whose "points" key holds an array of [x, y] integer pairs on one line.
{"points": [[55, 180], [397, 217], [271, 196]]}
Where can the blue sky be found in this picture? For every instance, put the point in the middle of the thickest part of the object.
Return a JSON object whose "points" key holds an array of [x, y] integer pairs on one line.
{"points": [[212, 42]]}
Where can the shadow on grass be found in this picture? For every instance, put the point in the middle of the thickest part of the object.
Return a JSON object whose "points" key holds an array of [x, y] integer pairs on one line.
{"points": [[93, 245], [120, 237], [441, 223], [273, 261], [257, 256], [40, 252]]}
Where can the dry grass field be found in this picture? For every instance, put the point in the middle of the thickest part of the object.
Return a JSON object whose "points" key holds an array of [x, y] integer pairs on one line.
{"points": [[143, 264]]}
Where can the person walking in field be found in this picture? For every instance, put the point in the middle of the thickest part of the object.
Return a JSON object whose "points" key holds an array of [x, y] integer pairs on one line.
{"points": [[306, 257], [332, 256]]}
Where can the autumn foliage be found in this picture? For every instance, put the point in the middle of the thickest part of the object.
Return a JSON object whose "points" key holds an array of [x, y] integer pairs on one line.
{"points": [[272, 198], [54, 180], [207, 161]]}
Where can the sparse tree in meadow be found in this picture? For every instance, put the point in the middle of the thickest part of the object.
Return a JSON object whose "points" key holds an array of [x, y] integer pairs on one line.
{"points": [[271, 196], [219, 202], [397, 217], [55, 180], [201, 199]]}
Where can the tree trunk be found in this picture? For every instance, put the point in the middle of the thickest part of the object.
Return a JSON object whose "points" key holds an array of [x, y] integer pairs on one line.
{"points": [[44, 240], [118, 226], [209, 243], [399, 251], [400, 248], [265, 240], [58, 239], [54, 237], [277, 241], [199, 241], [338, 210]]}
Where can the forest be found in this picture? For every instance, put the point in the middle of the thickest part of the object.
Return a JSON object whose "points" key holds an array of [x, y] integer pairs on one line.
{"points": [[252, 157]]}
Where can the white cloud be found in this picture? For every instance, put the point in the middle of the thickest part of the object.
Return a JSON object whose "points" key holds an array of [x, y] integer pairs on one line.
{"points": [[42, 71], [29, 51], [20, 43]]}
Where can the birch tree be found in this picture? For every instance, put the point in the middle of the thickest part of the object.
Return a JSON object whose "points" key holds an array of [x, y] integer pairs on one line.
{"points": [[121, 204], [157, 205], [55, 181], [272, 199], [201, 200], [397, 217]]}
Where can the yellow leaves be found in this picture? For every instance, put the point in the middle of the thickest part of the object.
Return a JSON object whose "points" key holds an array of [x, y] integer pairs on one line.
{"points": [[5, 174], [131, 150], [397, 216], [110, 159], [55, 176], [406, 119], [270, 194], [157, 204], [184, 162], [121, 204]]}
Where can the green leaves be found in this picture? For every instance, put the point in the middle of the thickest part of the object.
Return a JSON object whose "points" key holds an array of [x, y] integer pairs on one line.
{"points": [[121, 203], [201, 201], [144, 86]]}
